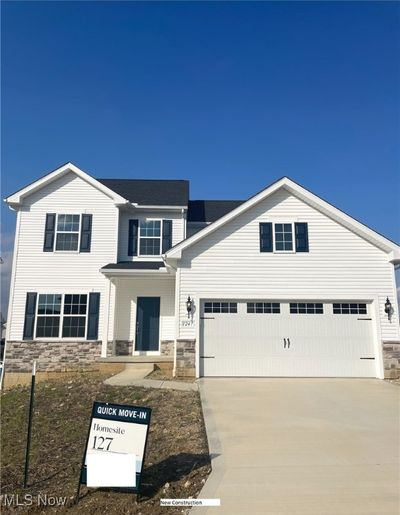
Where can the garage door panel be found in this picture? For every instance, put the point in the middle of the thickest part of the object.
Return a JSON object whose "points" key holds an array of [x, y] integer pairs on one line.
{"points": [[274, 366], [284, 344]]}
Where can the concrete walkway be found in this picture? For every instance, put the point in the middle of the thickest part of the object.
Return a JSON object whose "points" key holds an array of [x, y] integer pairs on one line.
{"points": [[132, 376], [302, 446]]}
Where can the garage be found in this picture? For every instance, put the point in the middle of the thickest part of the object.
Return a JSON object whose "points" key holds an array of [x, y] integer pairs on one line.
{"points": [[296, 338]]}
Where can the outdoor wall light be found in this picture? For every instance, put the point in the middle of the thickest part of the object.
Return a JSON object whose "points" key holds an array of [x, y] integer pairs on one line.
{"points": [[189, 306], [388, 308]]}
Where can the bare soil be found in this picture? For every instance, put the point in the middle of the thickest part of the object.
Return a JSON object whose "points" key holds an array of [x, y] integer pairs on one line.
{"points": [[161, 375], [176, 464]]}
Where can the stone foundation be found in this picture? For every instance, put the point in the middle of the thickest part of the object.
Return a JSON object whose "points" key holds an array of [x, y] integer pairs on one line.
{"points": [[391, 359], [123, 348], [119, 348], [167, 347], [57, 356], [186, 358]]}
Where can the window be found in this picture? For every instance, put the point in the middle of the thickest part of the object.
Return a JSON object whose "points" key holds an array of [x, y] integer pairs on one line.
{"points": [[283, 237], [48, 320], [66, 311], [74, 326], [67, 232], [350, 309], [263, 307], [220, 307], [150, 238], [309, 308]]}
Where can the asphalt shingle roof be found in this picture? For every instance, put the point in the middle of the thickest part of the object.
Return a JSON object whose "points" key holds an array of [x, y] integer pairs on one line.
{"points": [[151, 192], [210, 210], [135, 265]]}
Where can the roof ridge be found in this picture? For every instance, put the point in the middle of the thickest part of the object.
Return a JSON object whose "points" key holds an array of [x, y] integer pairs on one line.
{"points": [[217, 200], [148, 180]]}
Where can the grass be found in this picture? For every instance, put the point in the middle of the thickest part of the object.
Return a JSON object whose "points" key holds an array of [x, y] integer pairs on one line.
{"points": [[176, 462]]}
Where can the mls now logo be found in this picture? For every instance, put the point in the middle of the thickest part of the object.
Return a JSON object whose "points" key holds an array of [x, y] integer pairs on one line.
{"points": [[12, 500]]}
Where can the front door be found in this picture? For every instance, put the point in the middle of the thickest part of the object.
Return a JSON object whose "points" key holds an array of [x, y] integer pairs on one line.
{"points": [[147, 324]]}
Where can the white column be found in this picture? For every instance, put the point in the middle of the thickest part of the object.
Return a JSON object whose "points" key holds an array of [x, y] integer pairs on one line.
{"points": [[106, 319]]}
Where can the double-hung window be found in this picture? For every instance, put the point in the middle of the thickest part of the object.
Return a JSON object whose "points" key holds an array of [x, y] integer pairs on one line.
{"points": [[283, 237], [65, 314], [67, 232], [48, 316], [150, 232]]}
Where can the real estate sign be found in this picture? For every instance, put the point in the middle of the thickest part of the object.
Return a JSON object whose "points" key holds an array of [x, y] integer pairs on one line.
{"points": [[115, 446]]}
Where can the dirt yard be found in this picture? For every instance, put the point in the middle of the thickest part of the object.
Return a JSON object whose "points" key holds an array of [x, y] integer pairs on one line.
{"points": [[176, 462]]}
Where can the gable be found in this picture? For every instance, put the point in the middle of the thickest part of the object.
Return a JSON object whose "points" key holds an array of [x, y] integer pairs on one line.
{"points": [[17, 199], [238, 239], [68, 190], [308, 198]]}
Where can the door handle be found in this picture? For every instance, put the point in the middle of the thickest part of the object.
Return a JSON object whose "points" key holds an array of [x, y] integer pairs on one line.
{"points": [[288, 346], [284, 343]]}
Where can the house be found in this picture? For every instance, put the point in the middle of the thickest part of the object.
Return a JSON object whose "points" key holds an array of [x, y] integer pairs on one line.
{"points": [[281, 284]]}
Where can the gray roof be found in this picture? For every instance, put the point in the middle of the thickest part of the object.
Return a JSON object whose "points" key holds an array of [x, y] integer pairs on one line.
{"points": [[210, 210], [151, 192], [135, 265]]}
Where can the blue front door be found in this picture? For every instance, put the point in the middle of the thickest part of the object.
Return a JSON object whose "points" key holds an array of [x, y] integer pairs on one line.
{"points": [[147, 324]]}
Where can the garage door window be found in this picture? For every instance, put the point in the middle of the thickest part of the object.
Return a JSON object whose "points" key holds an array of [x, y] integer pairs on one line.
{"points": [[308, 308], [220, 307], [263, 307], [350, 309]]}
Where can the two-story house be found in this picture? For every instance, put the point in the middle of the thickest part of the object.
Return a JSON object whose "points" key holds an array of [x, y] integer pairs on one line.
{"points": [[281, 284]]}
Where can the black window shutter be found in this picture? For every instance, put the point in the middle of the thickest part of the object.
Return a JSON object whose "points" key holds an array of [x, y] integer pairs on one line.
{"points": [[49, 232], [266, 238], [166, 235], [93, 316], [86, 233], [30, 311], [133, 237], [301, 234]]}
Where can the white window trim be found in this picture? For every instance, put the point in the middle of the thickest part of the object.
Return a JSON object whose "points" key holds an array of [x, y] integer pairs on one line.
{"points": [[150, 237], [293, 251], [60, 337], [56, 232]]}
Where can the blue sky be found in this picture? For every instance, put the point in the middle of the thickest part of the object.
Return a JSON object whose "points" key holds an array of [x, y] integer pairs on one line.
{"points": [[230, 95]]}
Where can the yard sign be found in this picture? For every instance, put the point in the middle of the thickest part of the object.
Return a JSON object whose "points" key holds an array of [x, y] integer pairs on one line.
{"points": [[115, 446]]}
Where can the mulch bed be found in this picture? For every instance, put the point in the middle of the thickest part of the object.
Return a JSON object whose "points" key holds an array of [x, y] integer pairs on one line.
{"points": [[176, 463]]}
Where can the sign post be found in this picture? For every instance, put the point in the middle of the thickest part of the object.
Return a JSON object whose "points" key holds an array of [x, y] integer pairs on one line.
{"points": [[115, 447], [28, 439]]}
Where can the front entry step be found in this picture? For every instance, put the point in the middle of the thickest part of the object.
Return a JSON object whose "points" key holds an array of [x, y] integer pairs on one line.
{"points": [[132, 372]]}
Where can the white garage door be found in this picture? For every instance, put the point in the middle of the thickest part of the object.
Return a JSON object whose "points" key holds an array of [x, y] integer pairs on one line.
{"points": [[286, 339]]}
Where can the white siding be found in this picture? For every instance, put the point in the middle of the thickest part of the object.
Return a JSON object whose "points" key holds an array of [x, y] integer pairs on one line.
{"points": [[340, 264], [63, 272], [127, 291], [125, 216]]}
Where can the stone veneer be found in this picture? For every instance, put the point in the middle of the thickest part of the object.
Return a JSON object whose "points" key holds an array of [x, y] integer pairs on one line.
{"points": [[119, 348], [125, 348], [167, 348], [56, 356], [185, 358], [391, 359]]}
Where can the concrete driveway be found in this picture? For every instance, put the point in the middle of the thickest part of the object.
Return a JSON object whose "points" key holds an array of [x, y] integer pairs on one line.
{"points": [[302, 446]]}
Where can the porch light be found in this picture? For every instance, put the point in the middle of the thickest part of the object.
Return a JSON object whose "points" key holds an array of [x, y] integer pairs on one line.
{"points": [[189, 306], [388, 307]]}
